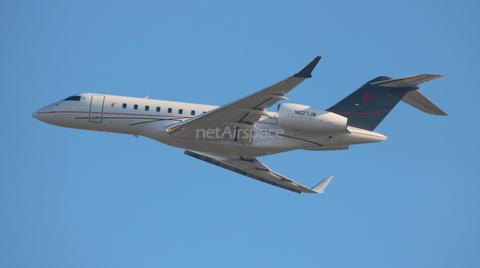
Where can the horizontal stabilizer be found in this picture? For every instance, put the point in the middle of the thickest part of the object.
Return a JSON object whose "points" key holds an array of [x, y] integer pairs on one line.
{"points": [[417, 100], [410, 81]]}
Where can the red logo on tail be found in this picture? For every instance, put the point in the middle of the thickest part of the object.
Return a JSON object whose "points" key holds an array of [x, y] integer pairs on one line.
{"points": [[367, 96]]}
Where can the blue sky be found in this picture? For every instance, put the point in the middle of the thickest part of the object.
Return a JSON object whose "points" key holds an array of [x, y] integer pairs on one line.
{"points": [[73, 198]]}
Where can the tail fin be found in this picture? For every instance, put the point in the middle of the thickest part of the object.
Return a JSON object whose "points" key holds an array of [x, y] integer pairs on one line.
{"points": [[370, 104]]}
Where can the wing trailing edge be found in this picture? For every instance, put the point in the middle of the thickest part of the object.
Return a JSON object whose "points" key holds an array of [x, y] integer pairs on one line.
{"points": [[252, 168]]}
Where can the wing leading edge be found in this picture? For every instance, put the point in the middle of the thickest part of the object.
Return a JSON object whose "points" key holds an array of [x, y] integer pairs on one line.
{"points": [[243, 113], [254, 169]]}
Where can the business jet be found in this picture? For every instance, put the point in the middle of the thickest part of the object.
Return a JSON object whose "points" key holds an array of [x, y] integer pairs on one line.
{"points": [[232, 136]]}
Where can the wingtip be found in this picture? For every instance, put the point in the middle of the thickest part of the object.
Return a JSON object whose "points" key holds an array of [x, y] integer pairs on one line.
{"points": [[320, 187], [306, 72]]}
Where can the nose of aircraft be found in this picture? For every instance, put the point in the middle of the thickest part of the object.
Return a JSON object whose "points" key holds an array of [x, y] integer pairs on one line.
{"points": [[49, 114], [36, 115], [43, 114]]}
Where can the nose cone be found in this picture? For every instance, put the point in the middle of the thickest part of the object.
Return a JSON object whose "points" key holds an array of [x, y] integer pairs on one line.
{"points": [[36, 115], [43, 114]]}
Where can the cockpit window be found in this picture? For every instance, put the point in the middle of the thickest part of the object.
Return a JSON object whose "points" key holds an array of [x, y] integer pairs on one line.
{"points": [[73, 98]]}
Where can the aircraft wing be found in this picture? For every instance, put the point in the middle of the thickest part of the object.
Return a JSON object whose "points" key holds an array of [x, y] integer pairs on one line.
{"points": [[252, 168], [243, 113]]}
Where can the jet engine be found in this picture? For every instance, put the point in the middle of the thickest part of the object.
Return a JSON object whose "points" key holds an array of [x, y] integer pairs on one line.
{"points": [[305, 118]]}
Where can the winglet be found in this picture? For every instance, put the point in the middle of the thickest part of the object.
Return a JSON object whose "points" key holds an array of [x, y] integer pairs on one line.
{"points": [[320, 187], [306, 72]]}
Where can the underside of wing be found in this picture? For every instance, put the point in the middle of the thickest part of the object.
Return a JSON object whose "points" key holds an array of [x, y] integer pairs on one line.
{"points": [[240, 114], [254, 169]]}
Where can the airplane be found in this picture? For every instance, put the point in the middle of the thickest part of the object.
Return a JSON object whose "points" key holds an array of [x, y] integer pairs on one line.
{"points": [[232, 136]]}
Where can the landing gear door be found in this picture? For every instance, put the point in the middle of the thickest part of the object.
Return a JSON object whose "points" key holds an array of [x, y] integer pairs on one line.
{"points": [[95, 114]]}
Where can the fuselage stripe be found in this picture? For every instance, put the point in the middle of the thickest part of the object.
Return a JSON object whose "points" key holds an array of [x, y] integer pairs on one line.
{"points": [[361, 113], [110, 113]]}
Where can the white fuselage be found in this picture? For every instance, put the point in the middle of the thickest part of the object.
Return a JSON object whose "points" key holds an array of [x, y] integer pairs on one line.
{"points": [[150, 118]]}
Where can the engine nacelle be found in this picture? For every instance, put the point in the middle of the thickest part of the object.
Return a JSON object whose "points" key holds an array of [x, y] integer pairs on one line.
{"points": [[305, 118]]}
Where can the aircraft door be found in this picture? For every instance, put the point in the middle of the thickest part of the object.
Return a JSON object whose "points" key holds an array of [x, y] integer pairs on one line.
{"points": [[95, 114]]}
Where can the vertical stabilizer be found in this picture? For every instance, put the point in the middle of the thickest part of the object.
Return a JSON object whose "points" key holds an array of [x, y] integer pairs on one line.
{"points": [[370, 104]]}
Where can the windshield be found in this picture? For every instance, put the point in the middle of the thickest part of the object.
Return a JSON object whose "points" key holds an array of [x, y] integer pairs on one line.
{"points": [[73, 98]]}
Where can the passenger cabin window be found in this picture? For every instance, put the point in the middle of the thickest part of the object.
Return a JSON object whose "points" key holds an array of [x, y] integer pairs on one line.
{"points": [[135, 106], [158, 109], [73, 98], [180, 111], [147, 108], [169, 110], [192, 112], [124, 106]]}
